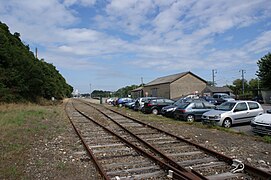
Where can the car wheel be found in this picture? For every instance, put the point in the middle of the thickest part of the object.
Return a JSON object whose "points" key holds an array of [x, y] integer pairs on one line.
{"points": [[190, 118], [155, 111], [175, 116], [227, 123]]}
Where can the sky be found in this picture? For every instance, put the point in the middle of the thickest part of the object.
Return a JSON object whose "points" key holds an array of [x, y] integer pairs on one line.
{"points": [[110, 44]]}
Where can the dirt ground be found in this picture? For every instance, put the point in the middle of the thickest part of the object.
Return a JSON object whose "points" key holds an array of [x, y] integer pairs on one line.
{"points": [[61, 155]]}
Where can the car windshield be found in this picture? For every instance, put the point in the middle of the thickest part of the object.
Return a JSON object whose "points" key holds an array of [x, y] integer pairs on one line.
{"points": [[178, 102], [183, 105], [225, 96], [209, 98], [182, 100], [226, 106]]}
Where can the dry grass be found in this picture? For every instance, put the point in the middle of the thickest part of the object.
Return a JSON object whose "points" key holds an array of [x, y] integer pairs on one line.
{"points": [[20, 126]]}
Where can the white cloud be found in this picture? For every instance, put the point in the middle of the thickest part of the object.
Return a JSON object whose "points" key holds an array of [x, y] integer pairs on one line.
{"points": [[80, 2], [260, 44], [156, 34], [44, 13]]}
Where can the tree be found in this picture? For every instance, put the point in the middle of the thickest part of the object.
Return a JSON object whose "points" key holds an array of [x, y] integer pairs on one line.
{"points": [[210, 83], [125, 91], [254, 86], [238, 84], [264, 72], [100, 93], [22, 76]]}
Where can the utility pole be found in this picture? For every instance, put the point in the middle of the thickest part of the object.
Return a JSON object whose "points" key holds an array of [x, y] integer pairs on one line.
{"points": [[90, 90], [258, 86], [36, 53], [243, 80], [142, 85], [213, 75]]}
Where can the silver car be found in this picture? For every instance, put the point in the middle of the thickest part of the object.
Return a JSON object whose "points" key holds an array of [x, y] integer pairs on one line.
{"points": [[232, 112], [262, 124]]}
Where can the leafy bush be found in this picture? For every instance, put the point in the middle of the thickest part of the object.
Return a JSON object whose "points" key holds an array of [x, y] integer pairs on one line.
{"points": [[22, 76]]}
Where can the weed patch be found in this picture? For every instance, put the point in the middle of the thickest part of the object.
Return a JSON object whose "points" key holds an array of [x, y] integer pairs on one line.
{"points": [[267, 139], [20, 126]]}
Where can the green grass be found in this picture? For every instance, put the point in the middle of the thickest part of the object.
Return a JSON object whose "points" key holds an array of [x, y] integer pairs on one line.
{"points": [[61, 166], [20, 126], [267, 139], [18, 117], [12, 171]]}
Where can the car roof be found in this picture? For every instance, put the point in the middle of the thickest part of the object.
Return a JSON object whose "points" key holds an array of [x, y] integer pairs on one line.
{"points": [[220, 93], [235, 101]]}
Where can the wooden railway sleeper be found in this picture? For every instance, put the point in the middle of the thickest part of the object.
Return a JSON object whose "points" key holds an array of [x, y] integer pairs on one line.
{"points": [[247, 168], [177, 173]]}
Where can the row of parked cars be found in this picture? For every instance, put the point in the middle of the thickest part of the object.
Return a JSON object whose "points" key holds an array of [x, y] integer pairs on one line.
{"points": [[221, 110]]}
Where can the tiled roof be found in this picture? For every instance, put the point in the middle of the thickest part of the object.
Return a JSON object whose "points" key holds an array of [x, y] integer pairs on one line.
{"points": [[170, 78], [137, 89]]}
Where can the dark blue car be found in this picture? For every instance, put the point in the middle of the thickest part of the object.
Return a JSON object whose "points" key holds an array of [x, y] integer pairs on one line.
{"points": [[122, 101]]}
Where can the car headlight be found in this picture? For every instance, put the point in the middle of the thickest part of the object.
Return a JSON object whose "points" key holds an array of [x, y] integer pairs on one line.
{"points": [[217, 116], [170, 109]]}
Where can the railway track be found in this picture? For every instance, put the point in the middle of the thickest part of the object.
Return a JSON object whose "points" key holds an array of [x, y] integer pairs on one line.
{"points": [[165, 155], [116, 157]]}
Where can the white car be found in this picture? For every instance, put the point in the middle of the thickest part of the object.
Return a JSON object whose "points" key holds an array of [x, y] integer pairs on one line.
{"points": [[262, 124], [232, 112]]}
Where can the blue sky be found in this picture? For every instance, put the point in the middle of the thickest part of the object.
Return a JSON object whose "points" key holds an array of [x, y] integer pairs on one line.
{"points": [[113, 43]]}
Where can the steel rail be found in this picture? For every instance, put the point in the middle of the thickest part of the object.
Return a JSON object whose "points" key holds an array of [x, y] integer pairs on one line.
{"points": [[89, 151], [177, 174], [251, 170], [248, 168], [165, 157]]}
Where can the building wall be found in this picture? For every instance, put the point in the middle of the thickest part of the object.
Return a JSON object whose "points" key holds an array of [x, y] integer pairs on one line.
{"points": [[136, 94], [188, 84], [161, 90]]}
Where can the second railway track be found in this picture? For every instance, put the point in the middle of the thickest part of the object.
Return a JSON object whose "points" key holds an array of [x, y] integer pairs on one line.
{"points": [[185, 159]]}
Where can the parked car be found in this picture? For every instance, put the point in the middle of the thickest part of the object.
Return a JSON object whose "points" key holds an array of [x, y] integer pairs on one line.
{"points": [[259, 99], [130, 105], [169, 110], [262, 124], [192, 96], [111, 100], [222, 97], [139, 103], [210, 99], [154, 106], [193, 110], [122, 101], [232, 112]]}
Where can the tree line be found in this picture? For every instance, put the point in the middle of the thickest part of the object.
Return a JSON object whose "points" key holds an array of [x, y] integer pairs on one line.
{"points": [[22, 76], [122, 92], [252, 87], [255, 85]]}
